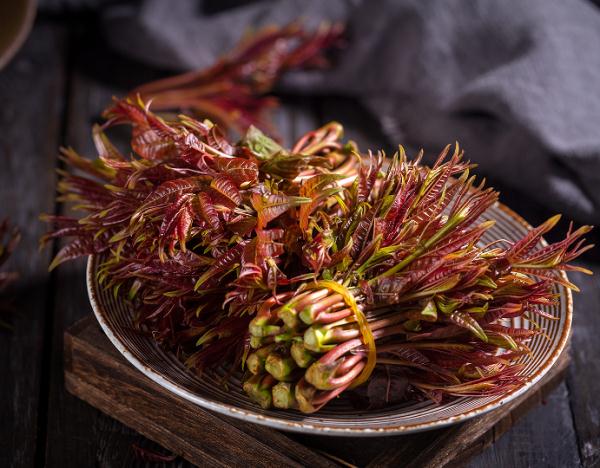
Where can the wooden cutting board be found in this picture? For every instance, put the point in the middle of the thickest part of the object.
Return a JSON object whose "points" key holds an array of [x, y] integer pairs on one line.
{"points": [[99, 375]]}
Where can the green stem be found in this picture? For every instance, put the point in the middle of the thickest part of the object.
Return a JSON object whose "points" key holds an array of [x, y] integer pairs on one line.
{"points": [[445, 229]]}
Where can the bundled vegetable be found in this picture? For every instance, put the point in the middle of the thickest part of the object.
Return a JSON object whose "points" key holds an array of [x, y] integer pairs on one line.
{"points": [[404, 281], [310, 266]]}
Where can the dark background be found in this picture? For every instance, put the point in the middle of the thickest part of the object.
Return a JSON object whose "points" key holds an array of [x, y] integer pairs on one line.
{"points": [[50, 95]]}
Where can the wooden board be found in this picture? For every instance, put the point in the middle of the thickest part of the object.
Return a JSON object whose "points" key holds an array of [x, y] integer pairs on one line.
{"points": [[98, 374], [583, 379]]}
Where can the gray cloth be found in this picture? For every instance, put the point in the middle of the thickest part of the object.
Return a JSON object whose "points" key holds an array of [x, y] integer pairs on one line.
{"points": [[516, 82]]}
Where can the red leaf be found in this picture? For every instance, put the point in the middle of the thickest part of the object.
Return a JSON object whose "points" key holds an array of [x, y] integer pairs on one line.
{"points": [[207, 210], [169, 188], [531, 239], [173, 214], [360, 234], [149, 145], [77, 248], [242, 226], [221, 265], [227, 192], [241, 171], [269, 207], [215, 138], [106, 150], [464, 320]]}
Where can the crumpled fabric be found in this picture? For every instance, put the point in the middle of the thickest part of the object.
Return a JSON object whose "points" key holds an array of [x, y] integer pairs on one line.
{"points": [[516, 83]]}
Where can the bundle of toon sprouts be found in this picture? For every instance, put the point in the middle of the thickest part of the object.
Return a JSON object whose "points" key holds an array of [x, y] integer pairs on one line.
{"points": [[309, 267]]}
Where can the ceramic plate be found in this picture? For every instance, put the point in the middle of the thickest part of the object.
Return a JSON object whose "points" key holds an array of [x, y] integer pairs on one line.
{"points": [[337, 418]]}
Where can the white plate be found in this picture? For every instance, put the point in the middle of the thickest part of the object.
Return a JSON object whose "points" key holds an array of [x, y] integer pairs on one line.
{"points": [[337, 418]]}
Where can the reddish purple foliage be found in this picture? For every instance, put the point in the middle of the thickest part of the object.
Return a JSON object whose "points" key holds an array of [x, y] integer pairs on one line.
{"points": [[233, 91]]}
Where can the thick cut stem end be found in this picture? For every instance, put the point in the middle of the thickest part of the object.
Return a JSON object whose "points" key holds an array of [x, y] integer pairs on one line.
{"points": [[283, 396], [279, 366]]}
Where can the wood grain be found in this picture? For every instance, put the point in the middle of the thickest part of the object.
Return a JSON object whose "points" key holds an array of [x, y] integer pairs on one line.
{"points": [[583, 382], [30, 113], [545, 438], [96, 372]]}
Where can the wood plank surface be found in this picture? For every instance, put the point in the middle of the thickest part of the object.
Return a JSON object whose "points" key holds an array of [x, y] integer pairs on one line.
{"points": [[78, 433], [31, 100], [583, 382], [545, 438], [97, 373]]}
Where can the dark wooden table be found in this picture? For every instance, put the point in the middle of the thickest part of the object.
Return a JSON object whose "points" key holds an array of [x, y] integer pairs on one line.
{"points": [[50, 95]]}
